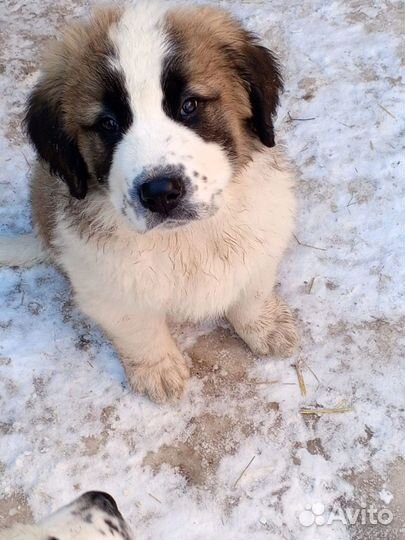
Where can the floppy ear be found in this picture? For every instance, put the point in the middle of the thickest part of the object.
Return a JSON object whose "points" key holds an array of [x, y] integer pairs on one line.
{"points": [[260, 71], [45, 126]]}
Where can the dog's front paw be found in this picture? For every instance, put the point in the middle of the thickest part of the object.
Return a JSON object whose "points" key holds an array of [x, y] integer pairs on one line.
{"points": [[162, 379], [273, 332]]}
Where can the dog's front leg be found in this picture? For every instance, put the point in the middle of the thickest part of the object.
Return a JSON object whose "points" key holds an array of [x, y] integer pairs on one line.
{"points": [[264, 321], [152, 362]]}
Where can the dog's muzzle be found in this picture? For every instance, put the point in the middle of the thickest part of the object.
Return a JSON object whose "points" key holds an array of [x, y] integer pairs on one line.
{"points": [[162, 194]]}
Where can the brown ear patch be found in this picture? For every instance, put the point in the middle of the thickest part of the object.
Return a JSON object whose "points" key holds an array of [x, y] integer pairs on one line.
{"points": [[212, 54], [260, 70], [77, 77]]}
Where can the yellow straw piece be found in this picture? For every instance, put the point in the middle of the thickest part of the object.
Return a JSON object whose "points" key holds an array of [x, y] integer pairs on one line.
{"points": [[301, 381], [322, 410]]}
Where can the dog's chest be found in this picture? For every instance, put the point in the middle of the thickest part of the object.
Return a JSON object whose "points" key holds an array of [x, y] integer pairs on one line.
{"points": [[188, 275], [193, 276]]}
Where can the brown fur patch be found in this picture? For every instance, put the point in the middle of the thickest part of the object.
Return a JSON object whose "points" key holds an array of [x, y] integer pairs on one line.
{"points": [[70, 66], [72, 73], [219, 58], [71, 88], [42, 202], [200, 36]]}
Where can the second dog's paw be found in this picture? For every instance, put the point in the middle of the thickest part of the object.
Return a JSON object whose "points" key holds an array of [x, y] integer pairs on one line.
{"points": [[163, 379], [273, 333]]}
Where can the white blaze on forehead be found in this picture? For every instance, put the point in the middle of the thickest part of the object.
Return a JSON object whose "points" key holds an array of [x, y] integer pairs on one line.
{"points": [[154, 139], [141, 44]]}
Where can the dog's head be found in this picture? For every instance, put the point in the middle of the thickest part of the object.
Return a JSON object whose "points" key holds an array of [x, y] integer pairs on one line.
{"points": [[93, 516], [157, 107]]}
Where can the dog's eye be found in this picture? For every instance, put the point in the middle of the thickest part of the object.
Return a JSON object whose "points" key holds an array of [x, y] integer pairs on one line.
{"points": [[189, 106], [108, 123]]}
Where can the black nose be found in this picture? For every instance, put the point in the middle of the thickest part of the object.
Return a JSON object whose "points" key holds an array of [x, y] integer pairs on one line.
{"points": [[103, 501], [161, 194]]}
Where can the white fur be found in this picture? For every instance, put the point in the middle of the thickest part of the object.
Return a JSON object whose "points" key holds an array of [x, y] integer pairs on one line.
{"points": [[197, 270], [131, 283]]}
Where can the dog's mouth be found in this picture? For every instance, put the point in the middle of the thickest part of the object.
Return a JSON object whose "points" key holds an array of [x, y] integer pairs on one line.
{"points": [[173, 223], [155, 221], [181, 216]]}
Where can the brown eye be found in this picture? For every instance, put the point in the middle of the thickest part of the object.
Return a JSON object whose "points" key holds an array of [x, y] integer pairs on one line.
{"points": [[108, 123], [189, 106]]}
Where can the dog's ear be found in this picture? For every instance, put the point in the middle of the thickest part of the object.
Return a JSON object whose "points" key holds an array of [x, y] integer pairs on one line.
{"points": [[260, 72], [44, 123]]}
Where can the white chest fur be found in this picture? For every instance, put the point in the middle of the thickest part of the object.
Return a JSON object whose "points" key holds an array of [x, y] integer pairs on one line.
{"points": [[194, 271]]}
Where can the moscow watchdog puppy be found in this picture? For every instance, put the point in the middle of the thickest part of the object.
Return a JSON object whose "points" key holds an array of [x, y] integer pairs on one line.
{"points": [[93, 516], [159, 190]]}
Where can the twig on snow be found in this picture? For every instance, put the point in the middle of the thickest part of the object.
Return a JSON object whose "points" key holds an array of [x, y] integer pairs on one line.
{"points": [[310, 285], [387, 111], [264, 382], [308, 245], [291, 119], [244, 470], [313, 373], [153, 497], [300, 376]]}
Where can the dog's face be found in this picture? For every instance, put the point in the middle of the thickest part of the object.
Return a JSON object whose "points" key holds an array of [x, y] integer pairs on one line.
{"points": [[156, 108], [93, 516]]}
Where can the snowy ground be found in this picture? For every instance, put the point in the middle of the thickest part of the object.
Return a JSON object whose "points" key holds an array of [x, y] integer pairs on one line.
{"points": [[68, 421]]}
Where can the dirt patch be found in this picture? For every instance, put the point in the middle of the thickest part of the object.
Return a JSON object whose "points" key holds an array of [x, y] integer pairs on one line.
{"points": [[222, 359], [315, 447], [367, 496], [197, 458], [14, 508], [93, 444]]}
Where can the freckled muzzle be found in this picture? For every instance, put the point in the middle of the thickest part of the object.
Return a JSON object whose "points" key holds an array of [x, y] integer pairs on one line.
{"points": [[163, 195]]}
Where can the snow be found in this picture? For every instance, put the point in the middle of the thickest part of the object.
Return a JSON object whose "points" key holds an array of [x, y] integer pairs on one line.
{"points": [[68, 421]]}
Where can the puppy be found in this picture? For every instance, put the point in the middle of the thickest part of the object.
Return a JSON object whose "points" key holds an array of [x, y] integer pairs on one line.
{"points": [[158, 190], [93, 516]]}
